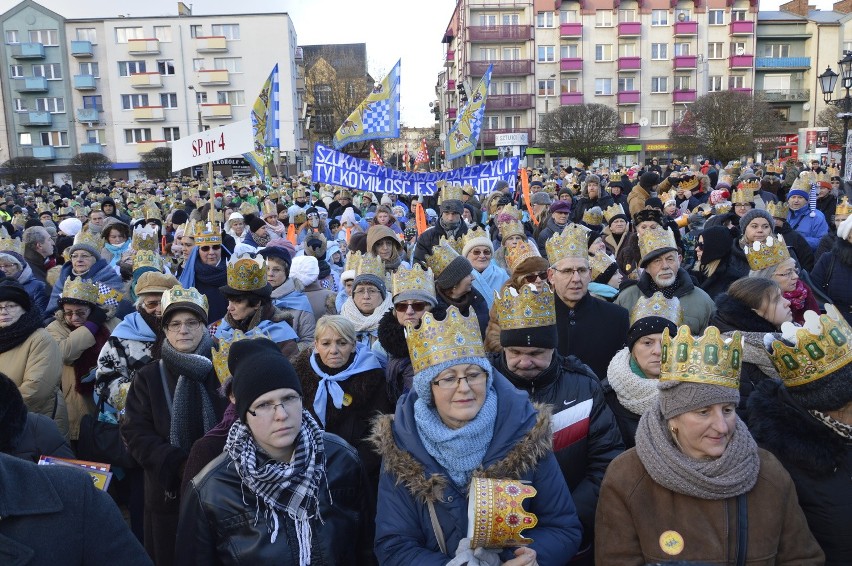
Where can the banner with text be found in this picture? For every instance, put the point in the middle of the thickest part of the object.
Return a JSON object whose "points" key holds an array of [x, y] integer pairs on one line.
{"points": [[336, 168]]}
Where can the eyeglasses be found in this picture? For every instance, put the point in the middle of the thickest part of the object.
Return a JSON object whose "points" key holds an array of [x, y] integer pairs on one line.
{"points": [[152, 304], [453, 382], [267, 410], [8, 266], [81, 256], [9, 307], [485, 253], [788, 274], [366, 292], [533, 277], [190, 325], [417, 306], [207, 248], [83, 313], [581, 271]]}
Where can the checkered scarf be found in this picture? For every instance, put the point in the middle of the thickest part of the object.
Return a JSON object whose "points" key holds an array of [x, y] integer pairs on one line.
{"points": [[291, 488]]}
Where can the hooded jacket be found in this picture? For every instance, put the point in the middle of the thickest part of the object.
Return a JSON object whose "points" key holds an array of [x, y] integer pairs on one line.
{"points": [[35, 288], [832, 275], [813, 228], [100, 272]]}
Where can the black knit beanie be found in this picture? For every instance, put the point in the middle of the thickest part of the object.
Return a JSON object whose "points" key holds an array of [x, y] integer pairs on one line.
{"points": [[458, 269], [179, 217], [829, 393], [607, 274], [649, 180], [13, 414], [256, 224], [718, 243], [655, 202], [13, 291], [648, 325], [452, 205], [258, 367], [534, 337]]}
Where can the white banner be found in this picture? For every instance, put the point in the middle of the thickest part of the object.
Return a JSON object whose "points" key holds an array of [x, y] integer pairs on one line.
{"points": [[847, 174], [231, 140]]}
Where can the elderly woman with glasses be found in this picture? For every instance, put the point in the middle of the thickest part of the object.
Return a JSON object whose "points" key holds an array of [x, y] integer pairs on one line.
{"points": [[771, 260], [367, 305], [487, 275], [172, 402]]}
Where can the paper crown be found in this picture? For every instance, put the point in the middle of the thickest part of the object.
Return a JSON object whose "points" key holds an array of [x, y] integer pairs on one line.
{"points": [[414, 279], [656, 239], [147, 258], [742, 196], [353, 260], [152, 211], [11, 244], [268, 208], [599, 263], [451, 192], [723, 207], [774, 169], [524, 308], [711, 359], [822, 346], [193, 228], [220, 355], [778, 209], [518, 253], [442, 255], [843, 207], [513, 211], [470, 235], [613, 211], [247, 208], [657, 305], [144, 238], [210, 236], [688, 183], [571, 242], [803, 182], [509, 228], [178, 294], [437, 341], [496, 515], [371, 265], [593, 216], [761, 255], [832, 172], [246, 273], [80, 290], [752, 185], [823, 180], [85, 237]]}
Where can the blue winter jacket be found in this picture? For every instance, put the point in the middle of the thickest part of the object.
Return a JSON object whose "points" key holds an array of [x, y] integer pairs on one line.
{"points": [[812, 228], [520, 449], [101, 272]]}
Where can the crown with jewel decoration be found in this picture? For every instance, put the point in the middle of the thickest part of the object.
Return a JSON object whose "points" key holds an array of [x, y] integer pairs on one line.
{"points": [[147, 258], [193, 228], [269, 208], [524, 308], [613, 211], [599, 263], [8, 244], [435, 341], [822, 346], [178, 294], [470, 235], [152, 211], [80, 290], [510, 226], [657, 305], [593, 216], [742, 196], [773, 169], [752, 185], [442, 255], [246, 273], [371, 265], [144, 238], [87, 238], [778, 209], [513, 211], [414, 279], [803, 182], [843, 207], [353, 260], [247, 208], [654, 240], [211, 235], [761, 255], [710, 359], [515, 255], [571, 242], [451, 192]]}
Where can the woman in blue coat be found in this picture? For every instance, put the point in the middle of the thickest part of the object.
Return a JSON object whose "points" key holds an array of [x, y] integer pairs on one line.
{"points": [[463, 419]]}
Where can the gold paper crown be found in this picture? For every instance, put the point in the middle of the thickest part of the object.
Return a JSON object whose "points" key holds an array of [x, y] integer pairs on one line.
{"points": [[774, 169], [572, 242], [436, 341], [414, 279], [353, 260], [371, 265], [512, 211], [778, 209], [442, 255], [593, 216], [178, 294], [144, 238], [515, 255], [761, 255], [709, 359], [496, 516], [823, 179], [211, 235], [742, 196], [599, 263], [269, 208], [451, 192], [247, 208], [843, 207], [656, 239], [147, 258], [613, 211], [511, 228], [11, 244], [823, 345], [246, 273], [220, 355], [752, 185], [85, 237], [471, 235], [524, 308], [299, 192], [193, 228], [832, 172], [657, 305], [152, 211], [80, 290], [688, 183], [803, 182]]}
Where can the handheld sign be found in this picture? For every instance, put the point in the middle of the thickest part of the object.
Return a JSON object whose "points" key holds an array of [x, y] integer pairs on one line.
{"points": [[217, 143]]}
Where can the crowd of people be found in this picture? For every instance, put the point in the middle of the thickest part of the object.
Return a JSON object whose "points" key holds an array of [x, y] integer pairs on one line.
{"points": [[301, 373]]}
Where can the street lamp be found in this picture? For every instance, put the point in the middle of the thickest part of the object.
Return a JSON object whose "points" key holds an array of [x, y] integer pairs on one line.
{"points": [[198, 106], [827, 82], [547, 161]]}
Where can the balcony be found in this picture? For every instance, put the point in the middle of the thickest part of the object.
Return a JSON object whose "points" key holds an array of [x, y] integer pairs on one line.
{"points": [[149, 114], [511, 68], [451, 85], [782, 63], [452, 112], [784, 95], [683, 62], [37, 119], [571, 30], [741, 61], [450, 59], [683, 96], [629, 97], [571, 64], [82, 49], [32, 84], [90, 115], [91, 148], [213, 77], [682, 29], [300, 84], [211, 44], [149, 46], [570, 98], [151, 79], [742, 90], [510, 101], [629, 131], [213, 111], [85, 82], [491, 34], [629, 29], [149, 145], [43, 152], [488, 135], [742, 28], [629, 63], [28, 51]]}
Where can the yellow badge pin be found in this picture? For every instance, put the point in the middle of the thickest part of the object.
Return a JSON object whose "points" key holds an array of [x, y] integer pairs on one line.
{"points": [[671, 542]]}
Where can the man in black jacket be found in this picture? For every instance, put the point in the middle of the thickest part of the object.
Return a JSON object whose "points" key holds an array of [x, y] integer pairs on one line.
{"points": [[585, 434], [449, 224]]}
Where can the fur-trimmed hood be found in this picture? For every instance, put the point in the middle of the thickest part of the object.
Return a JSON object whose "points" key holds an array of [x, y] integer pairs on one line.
{"points": [[392, 335]]}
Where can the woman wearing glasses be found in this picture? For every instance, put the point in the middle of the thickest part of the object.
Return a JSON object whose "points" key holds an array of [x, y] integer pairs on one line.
{"points": [[771, 260], [171, 403], [283, 491], [487, 275], [366, 306]]}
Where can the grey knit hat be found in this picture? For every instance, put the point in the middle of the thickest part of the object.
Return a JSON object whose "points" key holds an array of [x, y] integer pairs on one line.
{"points": [[370, 279], [457, 270], [540, 198], [755, 213], [452, 205], [679, 397]]}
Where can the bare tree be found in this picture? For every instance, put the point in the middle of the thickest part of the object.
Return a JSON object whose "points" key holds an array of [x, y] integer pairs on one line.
{"points": [[723, 126], [23, 170], [586, 132], [827, 118], [157, 163], [89, 166]]}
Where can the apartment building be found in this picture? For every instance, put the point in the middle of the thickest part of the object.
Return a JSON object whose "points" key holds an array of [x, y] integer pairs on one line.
{"points": [[123, 86]]}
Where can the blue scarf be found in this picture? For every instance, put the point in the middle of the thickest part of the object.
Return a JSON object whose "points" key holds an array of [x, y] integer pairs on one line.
{"points": [[602, 290], [187, 276], [116, 251], [134, 327], [295, 300], [488, 281], [276, 331], [364, 360]]}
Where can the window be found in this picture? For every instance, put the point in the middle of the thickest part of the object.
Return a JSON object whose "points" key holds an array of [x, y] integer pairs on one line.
{"points": [[680, 114], [54, 105], [738, 15], [738, 48], [487, 54], [546, 53], [322, 95], [50, 71], [659, 84], [716, 17], [95, 136], [122, 35], [131, 101], [168, 100], [775, 50], [627, 16], [546, 87], [196, 31], [512, 122], [12, 36], [492, 123], [137, 135], [488, 20], [626, 84], [90, 68], [603, 52], [511, 87], [682, 15], [230, 31], [87, 34], [171, 134], [627, 49], [230, 64], [25, 138], [544, 20], [166, 66], [659, 118], [16, 71], [568, 17], [163, 33], [603, 18], [603, 87], [714, 50], [20, 105], [127, 68], [659, 51], [681, 48], [682, 82], [511, 19], [55, 139], [569, 85], [45, 36], [569, 51], [197, 64], [659, 17], [736, 81], [95, 102], [714, 83], [627, 117], [232, 97]]}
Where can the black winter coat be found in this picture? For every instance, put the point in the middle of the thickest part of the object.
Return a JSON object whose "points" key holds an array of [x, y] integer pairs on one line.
{"points": [[594, 330], [477, 305], [627, 421], [430, 238], [40, 437], [833, 276], [799, 247], [721, 279], [549, 230], [583, 204]]}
